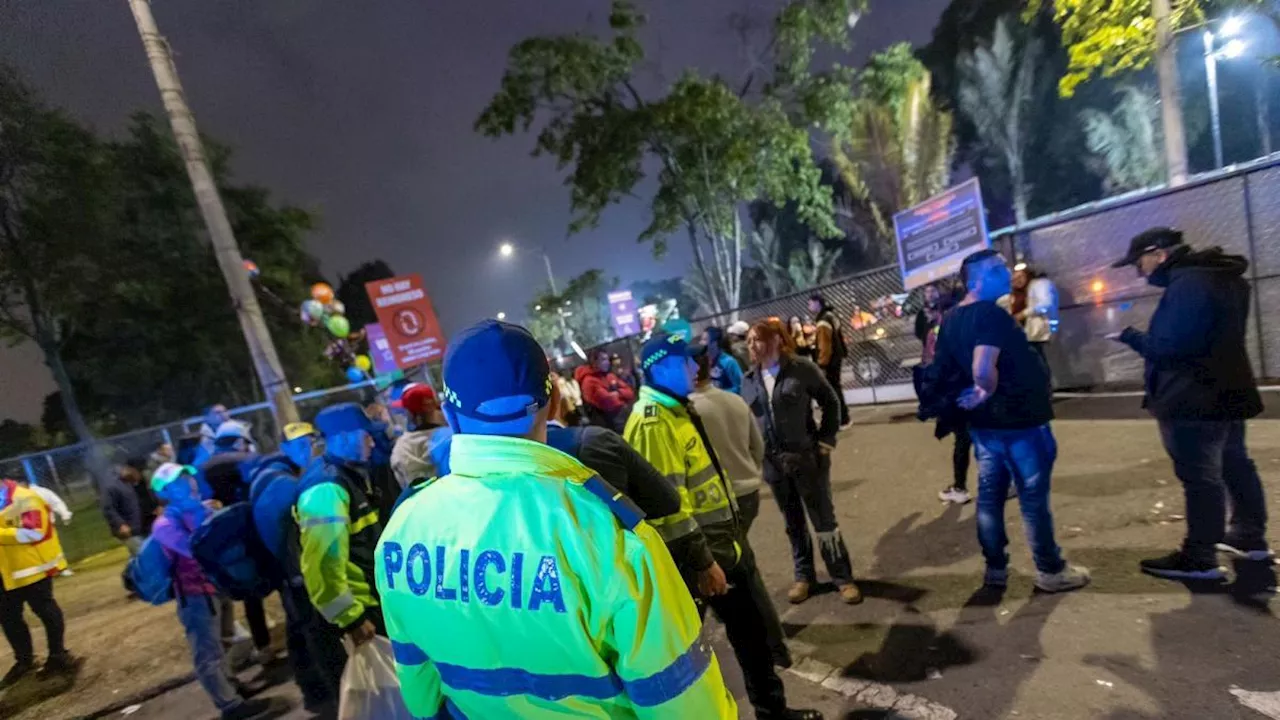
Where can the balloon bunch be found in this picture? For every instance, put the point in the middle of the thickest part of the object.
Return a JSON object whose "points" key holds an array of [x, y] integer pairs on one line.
{"points": [[325, 309]]}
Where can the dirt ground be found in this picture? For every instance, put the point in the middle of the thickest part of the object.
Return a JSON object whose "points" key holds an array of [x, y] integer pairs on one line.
{"points": [[1127, 648], [128, 645]]}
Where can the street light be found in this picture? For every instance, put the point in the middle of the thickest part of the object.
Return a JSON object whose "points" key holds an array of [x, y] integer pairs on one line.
{"points": [[508, 249], [1233, 49], [502, 316]]}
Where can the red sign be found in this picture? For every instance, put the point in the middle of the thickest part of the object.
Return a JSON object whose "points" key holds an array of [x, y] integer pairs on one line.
{"points": [[407, 318]]}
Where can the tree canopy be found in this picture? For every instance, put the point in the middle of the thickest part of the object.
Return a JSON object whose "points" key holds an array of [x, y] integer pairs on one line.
{"points": [[1109, 37], [55, 237], [104, 266], [717, 147], [351, 291], [582, 305], [165, 341]]}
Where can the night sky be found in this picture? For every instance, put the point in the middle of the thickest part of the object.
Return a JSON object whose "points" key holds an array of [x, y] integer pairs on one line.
{"points": [[362, 112]]}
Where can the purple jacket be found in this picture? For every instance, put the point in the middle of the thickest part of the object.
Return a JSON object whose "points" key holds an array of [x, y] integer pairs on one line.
{"points": [[172, 534]]}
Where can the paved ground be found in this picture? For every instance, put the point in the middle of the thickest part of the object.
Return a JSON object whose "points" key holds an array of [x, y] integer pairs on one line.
{"points": [[1127, 648]]}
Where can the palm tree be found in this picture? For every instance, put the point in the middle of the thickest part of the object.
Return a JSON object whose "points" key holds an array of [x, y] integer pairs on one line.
{"points": [[997, 83], [897, 149], [1127, 141]]}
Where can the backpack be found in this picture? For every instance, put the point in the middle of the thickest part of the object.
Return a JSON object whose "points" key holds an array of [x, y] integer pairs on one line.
{"points": [[272, 502], [839, 348], [232, 556], [151, 573]]}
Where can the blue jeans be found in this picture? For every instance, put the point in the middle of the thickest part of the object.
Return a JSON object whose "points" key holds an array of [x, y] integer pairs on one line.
{"points": [[1025, 458], [199, 617]]}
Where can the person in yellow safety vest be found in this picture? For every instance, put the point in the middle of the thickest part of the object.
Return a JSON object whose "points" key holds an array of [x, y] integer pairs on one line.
{"points": [[521, 585], [30, 557], [339, 526], [705, 534]]}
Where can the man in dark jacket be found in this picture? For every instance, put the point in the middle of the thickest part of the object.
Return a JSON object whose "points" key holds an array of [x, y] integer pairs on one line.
{"points": [[121, 509], [1200, 388]]}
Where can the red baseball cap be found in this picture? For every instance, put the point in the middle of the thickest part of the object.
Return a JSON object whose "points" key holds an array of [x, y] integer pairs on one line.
{"points": [[417, 398]]}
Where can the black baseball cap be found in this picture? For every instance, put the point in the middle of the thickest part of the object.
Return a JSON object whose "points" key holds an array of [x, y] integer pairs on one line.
{"points": [[1157, 238], [496, 378], [664, 346]]}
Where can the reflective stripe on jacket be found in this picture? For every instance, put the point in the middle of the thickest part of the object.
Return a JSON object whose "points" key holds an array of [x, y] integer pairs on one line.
{"points": [[523, 586], [339, 529], [661, 429], [29, 547]]}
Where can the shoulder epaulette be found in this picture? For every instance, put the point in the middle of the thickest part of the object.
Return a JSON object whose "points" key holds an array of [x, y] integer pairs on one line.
{"points": [[627, 512]]}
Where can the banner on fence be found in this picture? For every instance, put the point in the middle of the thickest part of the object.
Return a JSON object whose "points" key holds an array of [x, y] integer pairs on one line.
{"points": [[935, 236], [409, 322]]}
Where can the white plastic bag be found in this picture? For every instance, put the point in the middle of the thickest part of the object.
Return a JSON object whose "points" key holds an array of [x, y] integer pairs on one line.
{"points": [[370, 689]]}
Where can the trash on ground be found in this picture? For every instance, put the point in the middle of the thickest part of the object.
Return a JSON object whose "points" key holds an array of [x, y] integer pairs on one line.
{"points": [[1105, 683]]}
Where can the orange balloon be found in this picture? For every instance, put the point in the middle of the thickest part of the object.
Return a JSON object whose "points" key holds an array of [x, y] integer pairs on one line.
{"points": [[322, 293]]}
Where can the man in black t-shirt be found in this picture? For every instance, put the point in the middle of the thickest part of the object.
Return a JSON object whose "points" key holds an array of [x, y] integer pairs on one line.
{"points": [[1008, 407]]}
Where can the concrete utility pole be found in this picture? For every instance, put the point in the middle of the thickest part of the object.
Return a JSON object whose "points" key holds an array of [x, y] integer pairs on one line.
{"points": [[1175, 143], [265, 360]]}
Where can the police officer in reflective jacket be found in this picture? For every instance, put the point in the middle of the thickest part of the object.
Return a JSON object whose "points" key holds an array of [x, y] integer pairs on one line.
{"points": [[520, 584], [704, 536]]}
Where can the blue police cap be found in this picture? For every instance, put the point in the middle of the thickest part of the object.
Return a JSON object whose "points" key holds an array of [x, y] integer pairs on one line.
{"points": [[496, 373], [341, 418], [664, 346]]}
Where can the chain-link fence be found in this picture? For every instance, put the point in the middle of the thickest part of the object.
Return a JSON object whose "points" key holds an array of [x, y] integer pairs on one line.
{"points": [[66, 470], [1238, 210], [877, 320]]}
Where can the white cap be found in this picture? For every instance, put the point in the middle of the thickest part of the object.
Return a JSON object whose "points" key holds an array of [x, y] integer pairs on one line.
{"points": [[739, 328], [233, 429]]}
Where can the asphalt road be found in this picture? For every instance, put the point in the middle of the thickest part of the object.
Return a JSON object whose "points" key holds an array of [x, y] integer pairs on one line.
{"points": [[1128, 647]]}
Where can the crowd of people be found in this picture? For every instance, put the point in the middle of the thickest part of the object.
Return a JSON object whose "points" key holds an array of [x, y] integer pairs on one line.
{"points": [[532, 546]]}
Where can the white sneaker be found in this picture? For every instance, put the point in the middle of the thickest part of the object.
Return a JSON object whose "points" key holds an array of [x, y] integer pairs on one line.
{"points": [[955, 496], [1071, 578], [66, 573]]}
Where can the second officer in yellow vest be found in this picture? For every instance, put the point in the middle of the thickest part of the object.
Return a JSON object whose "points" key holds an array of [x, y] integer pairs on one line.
{"points": [[704, 536]]}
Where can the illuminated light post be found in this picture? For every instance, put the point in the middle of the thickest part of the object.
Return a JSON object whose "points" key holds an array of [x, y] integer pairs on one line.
{"points": [[1232, 49]]}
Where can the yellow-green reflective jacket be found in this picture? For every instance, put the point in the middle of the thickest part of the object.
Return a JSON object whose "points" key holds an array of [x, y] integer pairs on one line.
{"points": [[523, 586], [661, 429], [339, 530]]}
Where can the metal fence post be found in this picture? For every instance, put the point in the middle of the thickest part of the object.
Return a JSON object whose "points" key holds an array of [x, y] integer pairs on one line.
{"points": [[1253, 272], [53, 473]]}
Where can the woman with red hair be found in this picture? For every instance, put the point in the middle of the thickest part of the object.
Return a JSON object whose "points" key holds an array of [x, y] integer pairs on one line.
{"points": [[781, 389]]}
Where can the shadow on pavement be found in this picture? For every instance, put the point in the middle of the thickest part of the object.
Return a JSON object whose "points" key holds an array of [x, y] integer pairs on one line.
{"points": [[33, 689], [1138, 476], [1206, 648], [897, 551]]}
